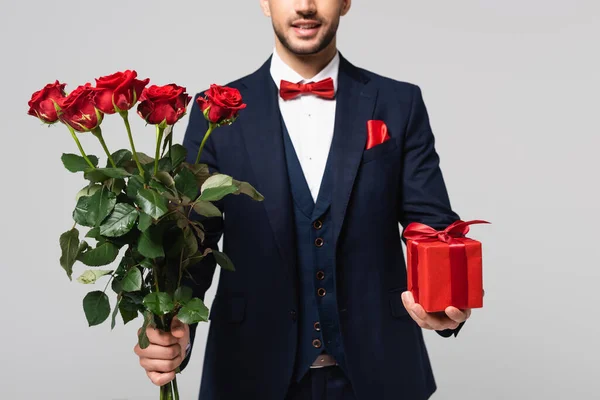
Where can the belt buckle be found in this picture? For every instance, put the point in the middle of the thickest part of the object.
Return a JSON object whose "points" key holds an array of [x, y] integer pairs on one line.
{"points": [[324, 360]]}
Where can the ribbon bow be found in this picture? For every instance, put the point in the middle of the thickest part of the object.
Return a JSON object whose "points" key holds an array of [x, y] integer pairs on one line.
{"points": [[324, 88], [417, 231]]}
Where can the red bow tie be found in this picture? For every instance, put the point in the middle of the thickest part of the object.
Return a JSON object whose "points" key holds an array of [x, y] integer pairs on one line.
{"points": [[324, 88]]}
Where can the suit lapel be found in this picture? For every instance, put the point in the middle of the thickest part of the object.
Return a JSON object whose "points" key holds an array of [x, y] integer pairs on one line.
{"points": [[355, 105], [262, 134]]}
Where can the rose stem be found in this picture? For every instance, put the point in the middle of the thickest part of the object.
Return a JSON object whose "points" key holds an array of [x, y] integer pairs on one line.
{"points": [[98, 133], [159, 135], [128, 127], [175, 389], [79, 145], [211, 126]]}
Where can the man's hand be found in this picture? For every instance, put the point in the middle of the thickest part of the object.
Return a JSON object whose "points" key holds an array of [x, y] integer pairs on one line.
{"points": [[165, 353], [449, 319]]}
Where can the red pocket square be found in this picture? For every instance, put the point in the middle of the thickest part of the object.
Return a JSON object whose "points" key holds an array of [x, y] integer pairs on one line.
{"points": [[377, 133]]}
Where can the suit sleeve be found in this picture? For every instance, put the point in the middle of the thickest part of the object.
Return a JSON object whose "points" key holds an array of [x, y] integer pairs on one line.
{"points": [[201, 274], [424, 197]]}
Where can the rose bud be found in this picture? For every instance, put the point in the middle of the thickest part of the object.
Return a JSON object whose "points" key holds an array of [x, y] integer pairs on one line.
{"points": [[42, 102], [163, 104], [78, 111], [221, 104], [119, 91]]}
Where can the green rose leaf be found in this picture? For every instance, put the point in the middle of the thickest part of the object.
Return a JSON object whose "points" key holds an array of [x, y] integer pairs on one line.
{"points": [[183, 295], [115, 185], [121, 157], [185, 182], [116, 286], [104, 254], [132, 281], [164, 165], [216, 187], [143, 340], [196, 258], [89, 190], [193, 312], [94, 233], [134, 184], [159, 187], [200, 171], [129, 310], [144, 222], [120, 221], [91, 211], [144, 158], [166, 179], [207, 209], [223, 260], [91, 276], [150, 243], [96, 307], [103, 174], [177, 154], [191, 243], [152, 203], [80, 213], [75, 163], [69, 245], [159, 303], [249, 190]]}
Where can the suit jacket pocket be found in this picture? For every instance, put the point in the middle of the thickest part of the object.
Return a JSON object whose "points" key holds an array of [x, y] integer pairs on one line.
{"points": [[230, 309], [379, 151], [396, 305]]}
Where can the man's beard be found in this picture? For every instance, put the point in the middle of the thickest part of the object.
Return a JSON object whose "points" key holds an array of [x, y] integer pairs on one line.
{"points": [[301, 51]]}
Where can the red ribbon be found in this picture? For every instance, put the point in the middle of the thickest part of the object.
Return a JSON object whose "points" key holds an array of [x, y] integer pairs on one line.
{"points": [[453, 235]]}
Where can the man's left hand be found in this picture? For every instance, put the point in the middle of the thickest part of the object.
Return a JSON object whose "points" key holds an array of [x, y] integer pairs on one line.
{"points": [[448, 319]]}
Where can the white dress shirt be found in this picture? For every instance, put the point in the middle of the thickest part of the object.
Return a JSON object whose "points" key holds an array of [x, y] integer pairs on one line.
{"points": [[309, 120]]}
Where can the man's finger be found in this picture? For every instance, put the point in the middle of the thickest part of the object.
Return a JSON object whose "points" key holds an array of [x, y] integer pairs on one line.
{"points": [[163, 366], [178, 328], [409, 303], [160, 379], [457, 315], [158, 337], [159, 352]]}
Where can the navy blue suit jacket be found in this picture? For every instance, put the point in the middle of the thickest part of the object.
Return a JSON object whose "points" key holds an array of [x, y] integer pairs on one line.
{"points": [[253, 332]]}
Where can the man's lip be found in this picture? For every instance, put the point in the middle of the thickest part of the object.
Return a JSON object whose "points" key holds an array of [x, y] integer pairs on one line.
{"points": [[298, 24]]}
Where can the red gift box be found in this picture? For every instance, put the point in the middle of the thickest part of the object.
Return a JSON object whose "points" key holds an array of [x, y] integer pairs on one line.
{"points": [[444, 268]]}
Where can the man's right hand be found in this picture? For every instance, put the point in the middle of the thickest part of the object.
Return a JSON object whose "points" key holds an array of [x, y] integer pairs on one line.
{"points": [[165, 353]]}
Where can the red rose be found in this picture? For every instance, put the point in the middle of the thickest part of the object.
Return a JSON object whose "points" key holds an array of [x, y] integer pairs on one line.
{"points": [[42, 102], [77, 109], [163, 103], [222, 103], [119, 91]]}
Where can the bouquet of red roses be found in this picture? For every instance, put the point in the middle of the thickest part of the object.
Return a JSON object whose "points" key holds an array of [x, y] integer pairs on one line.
{"points": [[139, 203]]}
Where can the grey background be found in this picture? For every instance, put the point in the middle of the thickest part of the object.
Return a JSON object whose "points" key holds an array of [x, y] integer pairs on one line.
{"points": [[512, 88]]}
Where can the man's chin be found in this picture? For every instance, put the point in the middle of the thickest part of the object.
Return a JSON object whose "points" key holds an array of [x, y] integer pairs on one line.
{"points": [[305, 49]]}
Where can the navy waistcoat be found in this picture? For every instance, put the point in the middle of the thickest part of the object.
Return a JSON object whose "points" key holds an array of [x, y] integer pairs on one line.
{"points": [[319, 327]]}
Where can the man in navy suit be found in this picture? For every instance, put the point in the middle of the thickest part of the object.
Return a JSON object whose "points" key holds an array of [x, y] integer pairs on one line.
{"points": [[317, 307]]}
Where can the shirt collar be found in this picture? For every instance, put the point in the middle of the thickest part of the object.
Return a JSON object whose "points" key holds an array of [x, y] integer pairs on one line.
{"points": [[281, 71]]}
